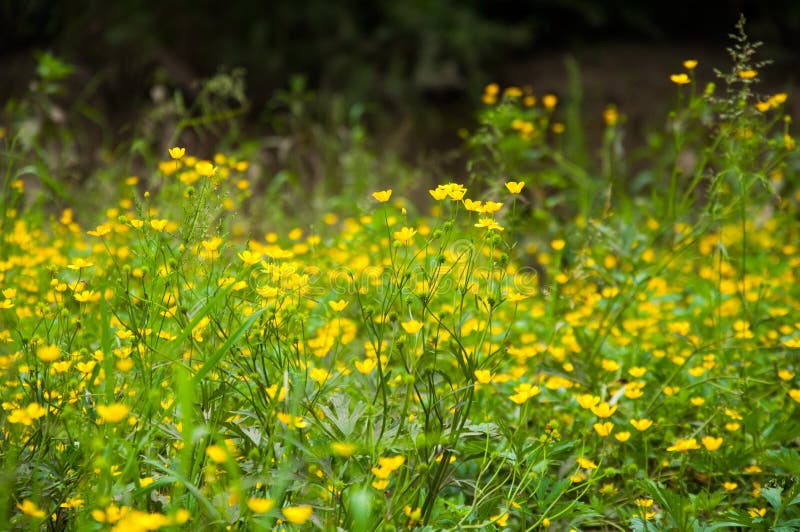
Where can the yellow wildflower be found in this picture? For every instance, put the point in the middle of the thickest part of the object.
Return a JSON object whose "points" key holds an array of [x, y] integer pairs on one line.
{"points": [[113, 413], [515, 187], [679, 79], [297, 515], [382, 195]]}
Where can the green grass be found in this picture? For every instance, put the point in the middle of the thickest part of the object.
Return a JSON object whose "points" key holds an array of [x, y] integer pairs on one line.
{"points": [[597, 350]]}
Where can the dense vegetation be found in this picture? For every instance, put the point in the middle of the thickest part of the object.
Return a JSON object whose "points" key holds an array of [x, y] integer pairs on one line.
{"points": [[559, 340]]}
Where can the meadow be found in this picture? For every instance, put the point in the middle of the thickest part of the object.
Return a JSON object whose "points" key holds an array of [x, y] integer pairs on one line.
{"points": [[556, 341]]}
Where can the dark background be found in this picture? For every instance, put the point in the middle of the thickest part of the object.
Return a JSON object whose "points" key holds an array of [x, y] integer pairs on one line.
{"points": [[421, 61]]}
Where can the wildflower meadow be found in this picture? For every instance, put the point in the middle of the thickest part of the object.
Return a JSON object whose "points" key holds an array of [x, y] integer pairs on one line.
{"points": [[553, 340]]}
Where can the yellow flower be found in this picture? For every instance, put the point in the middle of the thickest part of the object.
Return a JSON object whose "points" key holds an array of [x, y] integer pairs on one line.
{"points": [[259, 505], [382, 195], [100, 230], [785, 375], [490, 224], [641, 424], [604, 410], [795, 394], [470, 205], [338, 306], [159, 225], [343, 449], [603, 429], [515, 187], [113, 413], [711, 443], [412, 514], [205, 168], [684, 446], [557, 244], [585, 463], [623, 436], [679, 79], [588, 400], [500, 520], [438, 194], [690, 64], [249, 258], [48, 353], [297, 515], [747, 74], [524, 392], [412, 326], [610, 115], [483, 376], [757, 512], [491, 207], [637, 372], [80, 263], [609, 365], [292, 422], [644, 503], [549, 101], [29, 508], [365, 366], [391, 463], [177, 153], [217, 454], [729, 486], [380, 484], [405, 234]]}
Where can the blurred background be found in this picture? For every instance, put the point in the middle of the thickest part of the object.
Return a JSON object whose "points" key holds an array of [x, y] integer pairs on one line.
{"points": [[402, 78]]}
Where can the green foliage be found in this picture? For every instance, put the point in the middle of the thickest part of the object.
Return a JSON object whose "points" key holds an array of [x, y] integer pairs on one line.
{"points": [[271, 337]]}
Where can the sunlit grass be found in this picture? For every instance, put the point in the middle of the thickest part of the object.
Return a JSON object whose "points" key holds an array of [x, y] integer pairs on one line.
{"points": [[634, 362]]}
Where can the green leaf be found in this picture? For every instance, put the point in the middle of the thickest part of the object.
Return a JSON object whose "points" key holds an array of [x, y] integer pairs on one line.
{"points": [[773, 496]]}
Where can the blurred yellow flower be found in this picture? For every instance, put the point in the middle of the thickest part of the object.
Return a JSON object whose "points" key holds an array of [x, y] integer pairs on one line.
{"points": [[343, 449], [382, 195], [603, 429], [205, 168], [684, 446], [29, 508], [338, 306], [711, 443], [412, 326], [405, 234], [113, 413], [679, 79], [297, 515], [177, 153], [515, 187], [259, 505], [603, 410], [622, 436], [48, 353], [217, 453], [483, 376]]}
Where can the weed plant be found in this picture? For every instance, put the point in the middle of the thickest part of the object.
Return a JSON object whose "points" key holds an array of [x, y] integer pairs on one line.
{"points": [[573, 348]]}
